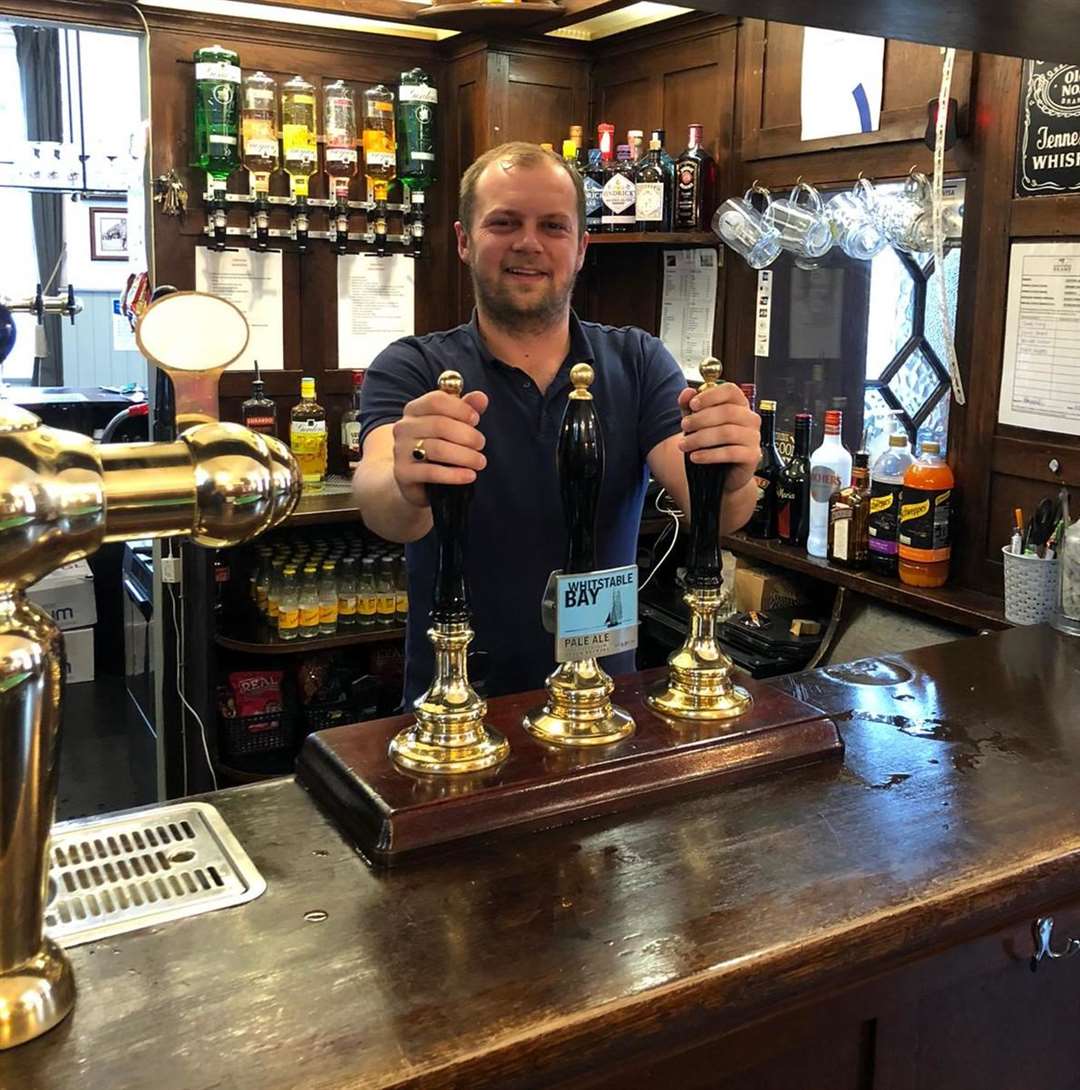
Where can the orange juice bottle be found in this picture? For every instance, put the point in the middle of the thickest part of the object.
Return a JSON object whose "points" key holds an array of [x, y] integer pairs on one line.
{"points": [[925, 508]]}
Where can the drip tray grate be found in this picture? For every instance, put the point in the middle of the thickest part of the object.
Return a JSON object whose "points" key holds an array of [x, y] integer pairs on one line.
{"points": [[141, 868]]}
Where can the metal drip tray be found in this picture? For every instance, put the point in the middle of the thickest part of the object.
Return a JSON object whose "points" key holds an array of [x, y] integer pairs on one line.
{"points": [[142, 868]]}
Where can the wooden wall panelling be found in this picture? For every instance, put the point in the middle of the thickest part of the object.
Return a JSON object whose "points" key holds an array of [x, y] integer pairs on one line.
{"points": [[671, 78], [771, 81], [544, 96], [309, 280]]}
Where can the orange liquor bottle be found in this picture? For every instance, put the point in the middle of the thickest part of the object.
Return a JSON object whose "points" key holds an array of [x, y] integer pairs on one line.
{"points": [[925, 509]]}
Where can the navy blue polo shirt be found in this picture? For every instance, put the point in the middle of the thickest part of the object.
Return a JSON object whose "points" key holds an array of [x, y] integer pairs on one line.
{"points": [[517, 535]]}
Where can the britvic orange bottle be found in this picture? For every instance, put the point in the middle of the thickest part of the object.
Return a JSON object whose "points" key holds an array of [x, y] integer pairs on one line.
{"points": [[925, 509]]}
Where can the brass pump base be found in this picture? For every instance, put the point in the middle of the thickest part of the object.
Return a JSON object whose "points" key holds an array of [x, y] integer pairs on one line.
{"points": [[35, 996], [699, 684], [449, 736], [579, 711]]}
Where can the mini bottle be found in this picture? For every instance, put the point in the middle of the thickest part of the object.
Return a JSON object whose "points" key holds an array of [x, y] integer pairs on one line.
{"points": [[387, 593], [328, 598], [346, 588], [288, 614], [309, 602], [367, 598]]}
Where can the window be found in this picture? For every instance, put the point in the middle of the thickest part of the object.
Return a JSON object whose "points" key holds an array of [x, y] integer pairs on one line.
{"points": [[865, 337]]}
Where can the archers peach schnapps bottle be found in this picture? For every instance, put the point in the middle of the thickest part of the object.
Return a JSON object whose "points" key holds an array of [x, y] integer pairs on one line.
{"points": [[307, 436]]}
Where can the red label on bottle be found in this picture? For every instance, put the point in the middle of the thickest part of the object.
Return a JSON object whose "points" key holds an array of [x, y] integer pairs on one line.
{"points": [[783, 521]]}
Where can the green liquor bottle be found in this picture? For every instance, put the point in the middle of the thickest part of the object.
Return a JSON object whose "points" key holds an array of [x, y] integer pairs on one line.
{"points": [[217, 113], [417, 101]]}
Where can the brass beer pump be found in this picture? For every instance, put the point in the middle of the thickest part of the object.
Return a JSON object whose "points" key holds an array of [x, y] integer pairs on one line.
{"points": [[699, 685], [61, 497], [578, 711], [449, 735]]}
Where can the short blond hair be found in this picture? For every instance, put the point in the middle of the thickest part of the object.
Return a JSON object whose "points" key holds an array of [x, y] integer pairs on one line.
{"points": [[517, 153]]}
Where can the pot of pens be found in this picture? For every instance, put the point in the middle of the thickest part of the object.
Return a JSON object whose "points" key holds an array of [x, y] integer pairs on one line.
{"points": [[1032, 566]]}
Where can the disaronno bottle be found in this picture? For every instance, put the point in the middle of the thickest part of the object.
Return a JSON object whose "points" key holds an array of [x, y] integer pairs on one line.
{"points": [[849, 510], [307, 436]]}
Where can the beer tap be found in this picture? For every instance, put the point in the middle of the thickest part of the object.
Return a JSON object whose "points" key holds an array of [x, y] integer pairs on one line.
{"points": [[578, 711], [449, 735], [63, 496], [699, 684]]}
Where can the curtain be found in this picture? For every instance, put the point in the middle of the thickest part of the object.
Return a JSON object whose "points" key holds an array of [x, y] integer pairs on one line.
{"points": [[37, 50]]}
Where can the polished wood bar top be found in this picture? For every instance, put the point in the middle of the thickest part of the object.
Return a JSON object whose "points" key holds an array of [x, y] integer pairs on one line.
{"points": [[539, 960]]}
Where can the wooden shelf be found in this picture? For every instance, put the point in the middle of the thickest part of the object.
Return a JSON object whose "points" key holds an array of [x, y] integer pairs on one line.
{"points": [[657, 238], [335, 504], [313, 643], [956, 605]]}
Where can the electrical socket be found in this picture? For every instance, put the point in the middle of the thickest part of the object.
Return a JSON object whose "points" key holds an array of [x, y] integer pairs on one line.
{"points": [[170, 569]]}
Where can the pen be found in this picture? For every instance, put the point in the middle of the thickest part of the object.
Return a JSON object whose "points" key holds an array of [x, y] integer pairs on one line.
{"points": [[1018, 528]]}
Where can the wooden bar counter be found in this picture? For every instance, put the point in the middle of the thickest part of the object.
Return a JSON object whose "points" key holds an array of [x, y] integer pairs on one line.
{"points": [[865, 923]]}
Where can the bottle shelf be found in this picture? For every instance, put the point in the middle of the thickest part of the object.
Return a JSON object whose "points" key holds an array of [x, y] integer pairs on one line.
{"points": [[271, 645], [656, 238], [957, 605]]}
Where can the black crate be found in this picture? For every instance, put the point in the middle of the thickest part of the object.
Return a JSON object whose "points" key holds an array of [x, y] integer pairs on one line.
{"points": [[266, 733]]}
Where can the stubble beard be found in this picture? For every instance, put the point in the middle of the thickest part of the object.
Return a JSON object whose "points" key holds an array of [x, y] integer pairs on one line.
{"points": [[500, 307]]}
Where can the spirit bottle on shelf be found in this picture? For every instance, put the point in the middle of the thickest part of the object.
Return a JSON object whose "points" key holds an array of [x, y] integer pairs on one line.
{"points": [[830, 470], [307, 436], [651, 192], [695, 185], [762, 522], [350, 425], [259, 413], [380, 154], [299, 148], [619, 213], [635, 140], [849, 517], [593, 178], [577, 134], [793, 488], [418, 100]]}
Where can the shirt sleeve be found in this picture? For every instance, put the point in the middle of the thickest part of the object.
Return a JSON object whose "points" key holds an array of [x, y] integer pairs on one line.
{"points": [[659, 416], [399, 374]]}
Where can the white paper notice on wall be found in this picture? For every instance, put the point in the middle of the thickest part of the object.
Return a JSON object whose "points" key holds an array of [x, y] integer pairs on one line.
{"points": [[763, 321], [688, 310], [841, 83], [375, 305], [1040, 374], [252, 281]]}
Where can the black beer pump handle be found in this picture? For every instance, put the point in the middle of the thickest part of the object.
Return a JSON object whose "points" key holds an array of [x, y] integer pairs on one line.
{"points": [[450, 515], [706, 485], [580, 461]]}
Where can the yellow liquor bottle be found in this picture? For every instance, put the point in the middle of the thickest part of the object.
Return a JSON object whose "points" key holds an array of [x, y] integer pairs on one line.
{"points": [[307, 436]]}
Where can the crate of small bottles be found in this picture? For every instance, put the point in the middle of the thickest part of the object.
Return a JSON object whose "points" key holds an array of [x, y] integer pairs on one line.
{"points": [[302, 586]]}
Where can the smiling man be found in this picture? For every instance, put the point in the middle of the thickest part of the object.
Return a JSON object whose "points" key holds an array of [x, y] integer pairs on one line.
{"points": [[522, 234]]}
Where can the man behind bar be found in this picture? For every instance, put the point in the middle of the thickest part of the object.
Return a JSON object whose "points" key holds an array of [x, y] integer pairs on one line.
{"points": [[522, 235]]}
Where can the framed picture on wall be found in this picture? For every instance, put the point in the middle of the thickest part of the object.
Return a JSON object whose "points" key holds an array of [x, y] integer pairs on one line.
{"points": [[108, 234]]}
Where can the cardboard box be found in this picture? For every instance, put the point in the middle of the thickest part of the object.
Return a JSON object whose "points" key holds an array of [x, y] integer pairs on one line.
{"points": [[67, 595], [78, 655], [762, 590]]}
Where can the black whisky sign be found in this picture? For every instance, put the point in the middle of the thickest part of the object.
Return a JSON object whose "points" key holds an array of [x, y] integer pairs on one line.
{"points": [[1049, 154]]}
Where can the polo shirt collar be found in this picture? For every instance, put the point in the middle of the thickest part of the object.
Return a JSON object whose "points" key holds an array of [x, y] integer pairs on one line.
{"points": [[581, 351]]}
